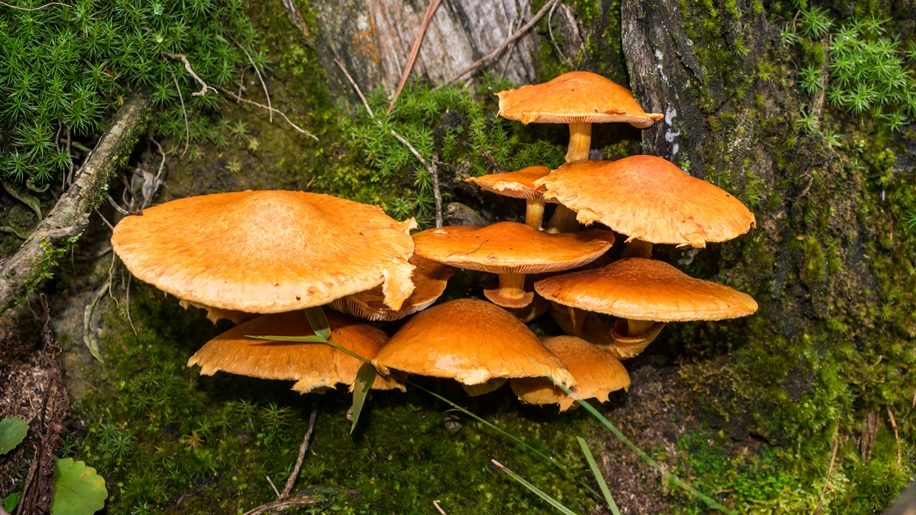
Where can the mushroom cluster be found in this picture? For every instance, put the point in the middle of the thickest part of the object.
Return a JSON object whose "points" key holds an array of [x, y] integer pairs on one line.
{"points": [[264, 259]]}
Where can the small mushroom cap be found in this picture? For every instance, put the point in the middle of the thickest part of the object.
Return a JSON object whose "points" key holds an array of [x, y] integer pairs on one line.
{"points": [[267, 251], [215, 314], [518, 184], [646, 289], [511, 247], [471, 341], [597, 373], [311, 365], [648, 198], [574, 97], [430, 279]]}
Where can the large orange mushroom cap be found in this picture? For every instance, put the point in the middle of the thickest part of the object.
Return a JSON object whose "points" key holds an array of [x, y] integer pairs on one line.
{"points": [[650, 199], [574, 97], [471, 341], [311, 365], [597, 373], [646, 289], [510, 247], [267, 251]]}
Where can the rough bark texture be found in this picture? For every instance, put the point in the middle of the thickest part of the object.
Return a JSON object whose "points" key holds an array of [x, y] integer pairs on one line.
{"points": [[820, 260], [70, 216], [373, 39]]}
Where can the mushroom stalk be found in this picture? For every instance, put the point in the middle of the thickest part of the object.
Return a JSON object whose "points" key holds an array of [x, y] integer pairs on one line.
{"points": [[512, 286], [580, 141], [534, 213], [577, 319], [562, 220], [637, 248], [638, 327]]}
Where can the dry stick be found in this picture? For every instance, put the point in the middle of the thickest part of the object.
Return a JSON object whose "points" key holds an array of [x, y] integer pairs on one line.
{"points": [[270, 117], [302, 449], [414, 51], [271, 109], [431, 168], [438, 508], [553, 40], [184, 112], [890, 415], [204, 87], [296, 18], [487, 59], [836, 446]]}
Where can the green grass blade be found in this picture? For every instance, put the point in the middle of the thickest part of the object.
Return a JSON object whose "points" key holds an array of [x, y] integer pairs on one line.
{"points": [[709, 501], [364, 379], [602, 484], [318, 322], [537, 491]]}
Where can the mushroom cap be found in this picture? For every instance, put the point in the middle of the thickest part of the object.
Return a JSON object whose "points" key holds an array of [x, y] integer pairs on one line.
{"points": [[517, 184], [597, 373], [574, 97], [471, 341], [648, 198], [511, 247], [429, 278], [311, 365], [215, 314], [267, 251], [646, 289]]}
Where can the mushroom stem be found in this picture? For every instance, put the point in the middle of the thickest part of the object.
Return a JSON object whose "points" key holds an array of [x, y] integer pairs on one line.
{"points": [[562, 220], [637, 248], [637, 327], [580, 141], [577, 319], [512, 286], [534, 213]]}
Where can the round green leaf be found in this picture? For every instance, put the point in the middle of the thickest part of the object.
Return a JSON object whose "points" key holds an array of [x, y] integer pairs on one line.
{"points": [[12, 433], [78, 490]]}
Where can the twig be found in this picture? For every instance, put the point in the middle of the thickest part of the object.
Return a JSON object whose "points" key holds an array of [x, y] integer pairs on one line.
{"points": [[302, 449], [438, 508], [433, 170], [553, 40], [359, 92], [89, 339], [297, 20], [204, 87], [414, 51], [187, 128], [487, 59], [890, 415], [836, 446], [271, 109], [285, 504], [273, 486], [270, 117]]}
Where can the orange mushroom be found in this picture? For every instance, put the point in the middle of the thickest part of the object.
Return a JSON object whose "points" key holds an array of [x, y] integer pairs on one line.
{"points": [[518, 184], [267, 251], [312, 365], [511, 250]]}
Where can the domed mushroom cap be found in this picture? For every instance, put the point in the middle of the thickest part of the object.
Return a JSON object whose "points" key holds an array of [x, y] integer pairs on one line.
{"points": [[311, 365], [510, 247], [648, 198], [574, 97], [429, 278], [646, 289], [596, 371], [267, 251], [517, 184], [471, 341]]}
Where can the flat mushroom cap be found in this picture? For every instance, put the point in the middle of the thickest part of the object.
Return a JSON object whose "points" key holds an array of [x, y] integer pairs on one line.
{"points": [[648, 198], [311, 365], [646, 289], [511, 247], [216, 314], [429, 278], [597, 373], [471, 341], [267, 251], [517, 184], [574, 97]]}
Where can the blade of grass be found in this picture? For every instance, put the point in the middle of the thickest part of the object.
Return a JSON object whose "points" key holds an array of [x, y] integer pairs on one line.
{"points": [[364, 379], [318, 322], [645, 457], [602, 484], [537, 491]]}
